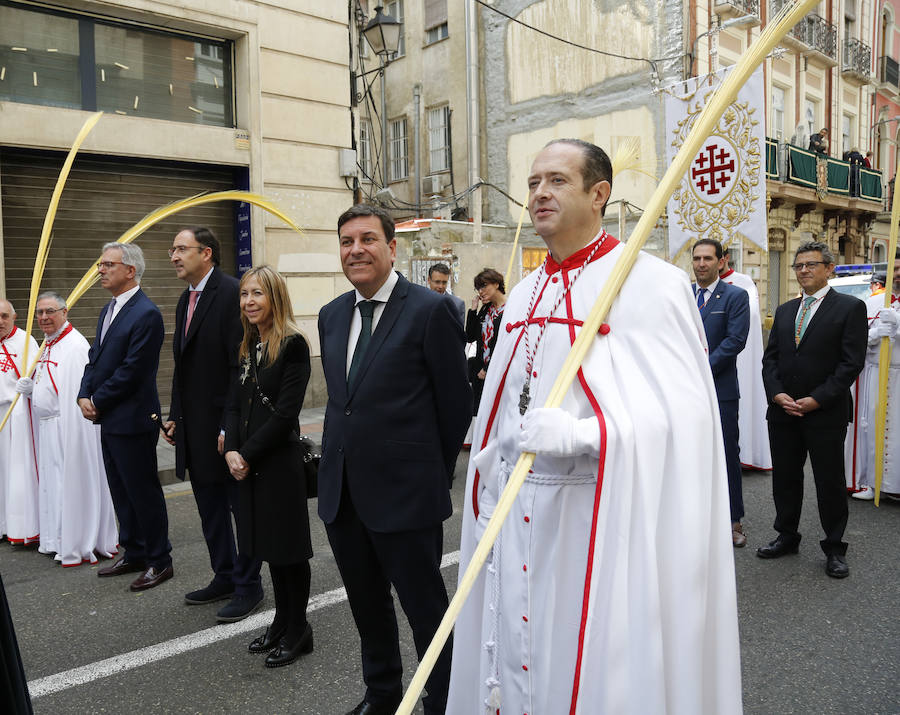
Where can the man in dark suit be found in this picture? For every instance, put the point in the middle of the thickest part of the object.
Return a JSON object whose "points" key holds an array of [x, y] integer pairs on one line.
{"points": [[725, 310], [816, 349], [207, 334], [439, 281], [118, 391], [398, 408]]}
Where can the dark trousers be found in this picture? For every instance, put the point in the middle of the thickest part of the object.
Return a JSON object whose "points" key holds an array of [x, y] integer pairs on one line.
{"points": [[130, 461], [369, 563], [728, 414], [790, 443], [216, 502], [290, 582]]}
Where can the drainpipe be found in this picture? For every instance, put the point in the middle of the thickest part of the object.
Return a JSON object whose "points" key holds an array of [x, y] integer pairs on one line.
{"points": [[472, 118], [417, 122]]}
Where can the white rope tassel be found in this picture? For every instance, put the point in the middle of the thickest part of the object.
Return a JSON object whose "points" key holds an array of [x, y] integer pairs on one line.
{"points": [[492, 702]]}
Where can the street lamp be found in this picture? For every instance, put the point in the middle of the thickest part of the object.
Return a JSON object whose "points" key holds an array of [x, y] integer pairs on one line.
{"points": [[383, 35]]}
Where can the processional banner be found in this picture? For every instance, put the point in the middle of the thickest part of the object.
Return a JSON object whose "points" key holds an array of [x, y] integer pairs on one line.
{"points": [[723, 194]]}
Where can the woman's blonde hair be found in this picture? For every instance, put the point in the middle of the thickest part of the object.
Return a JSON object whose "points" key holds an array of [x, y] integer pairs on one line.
{"points": [[275, 290]]}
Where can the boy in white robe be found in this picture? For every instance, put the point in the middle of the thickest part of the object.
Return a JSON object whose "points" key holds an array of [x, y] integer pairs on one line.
{"points": [[18, 441], [611, 587], [77, 519]]}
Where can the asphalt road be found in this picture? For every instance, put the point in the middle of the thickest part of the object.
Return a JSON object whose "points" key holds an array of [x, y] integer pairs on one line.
{"points": [[809, 644]]}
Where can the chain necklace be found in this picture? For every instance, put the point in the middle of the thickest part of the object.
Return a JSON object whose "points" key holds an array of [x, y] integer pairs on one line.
{"points": [[525, 395]]}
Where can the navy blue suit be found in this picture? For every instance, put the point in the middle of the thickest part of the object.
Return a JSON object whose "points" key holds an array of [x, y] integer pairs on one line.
{"points": [[726, 320], [389, 449], [206, 366], [120, 379]]}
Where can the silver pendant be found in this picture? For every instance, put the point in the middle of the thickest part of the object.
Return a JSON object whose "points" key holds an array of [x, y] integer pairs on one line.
{"points": [[525, 397]]}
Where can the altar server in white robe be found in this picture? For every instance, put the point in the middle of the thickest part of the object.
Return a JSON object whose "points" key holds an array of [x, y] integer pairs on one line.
{"points": [[611, 587], [752, 425], [77, 519], [18, 441], [883, 322]]}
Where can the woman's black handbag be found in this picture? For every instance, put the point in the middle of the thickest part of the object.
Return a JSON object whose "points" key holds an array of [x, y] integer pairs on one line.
{"points": [[311, 452]]}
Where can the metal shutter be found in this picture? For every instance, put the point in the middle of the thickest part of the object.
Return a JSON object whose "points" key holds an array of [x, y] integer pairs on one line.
{"points": [[103, 198]]}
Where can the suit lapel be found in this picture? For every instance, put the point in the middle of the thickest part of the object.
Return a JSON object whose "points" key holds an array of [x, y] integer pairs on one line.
{"points": [[821, 316], [203, 305], [389, 316], [119, 320], [338, 339]]}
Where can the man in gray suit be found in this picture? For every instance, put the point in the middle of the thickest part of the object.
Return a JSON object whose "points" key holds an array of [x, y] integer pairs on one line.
{"points": [[439, 281]]}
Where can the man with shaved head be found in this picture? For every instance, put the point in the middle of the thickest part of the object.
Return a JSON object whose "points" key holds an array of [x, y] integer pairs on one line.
{"points": [[76, 512], [18, 473]]}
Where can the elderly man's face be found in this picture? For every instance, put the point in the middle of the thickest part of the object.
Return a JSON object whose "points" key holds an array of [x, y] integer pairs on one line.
{"points": [[7, 319], [50, 316]]}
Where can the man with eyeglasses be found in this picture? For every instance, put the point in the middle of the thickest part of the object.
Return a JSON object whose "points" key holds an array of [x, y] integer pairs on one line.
{"points": [[18, 472], [207, 334], [118, 391], [76, 511], [816, 349]]}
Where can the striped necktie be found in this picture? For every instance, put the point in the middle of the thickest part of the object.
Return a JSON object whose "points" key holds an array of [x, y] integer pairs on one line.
{"points": [[701, 292], [802, 320]]}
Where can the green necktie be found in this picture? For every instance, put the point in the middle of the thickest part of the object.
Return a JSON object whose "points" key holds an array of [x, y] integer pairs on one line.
{"points": [[802, 320], [366, 312]]}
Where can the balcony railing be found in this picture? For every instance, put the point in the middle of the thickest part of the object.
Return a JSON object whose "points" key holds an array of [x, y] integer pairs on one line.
{"points": [[737, 7], [857, 58], [837, 177], [813, 31], [889, 71]]}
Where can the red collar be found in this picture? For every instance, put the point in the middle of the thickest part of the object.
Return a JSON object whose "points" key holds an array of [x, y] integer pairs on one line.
{"points": [[59, 337], [727, 273], [577, 258], [11, 333]]}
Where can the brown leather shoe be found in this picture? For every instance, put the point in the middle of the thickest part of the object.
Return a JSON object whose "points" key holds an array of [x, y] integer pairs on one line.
{"points": [[153, 576], [121, 566], [737, 535]]}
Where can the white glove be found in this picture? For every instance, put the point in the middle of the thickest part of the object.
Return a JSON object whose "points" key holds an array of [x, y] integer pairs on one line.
{"points": [[554, 432], [25, 386], [886, 326]]}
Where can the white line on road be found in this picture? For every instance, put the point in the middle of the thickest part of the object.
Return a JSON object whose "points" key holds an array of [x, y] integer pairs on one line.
{"points": [[151, 654]]}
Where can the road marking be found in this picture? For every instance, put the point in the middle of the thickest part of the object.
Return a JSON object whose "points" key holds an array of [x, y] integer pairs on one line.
{"points": [[145, 656]]}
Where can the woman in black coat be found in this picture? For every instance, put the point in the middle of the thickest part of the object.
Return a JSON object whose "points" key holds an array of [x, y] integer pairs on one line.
{"points": [[263, 452], [483, 326]]}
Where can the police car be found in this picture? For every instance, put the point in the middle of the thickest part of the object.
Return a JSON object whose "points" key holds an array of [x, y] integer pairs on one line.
{"points": [[856, 279]]}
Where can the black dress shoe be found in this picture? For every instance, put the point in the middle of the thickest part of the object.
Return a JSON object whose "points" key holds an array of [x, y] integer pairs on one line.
{"points": [[780, 547], [152, 577], [266, 642], [836, 566], [210, 594], [285, 653], [238, 608], [121, 566], [385, 708]]}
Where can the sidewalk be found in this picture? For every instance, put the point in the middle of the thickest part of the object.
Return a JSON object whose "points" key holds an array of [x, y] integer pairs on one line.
{"points": [[310, 423]]}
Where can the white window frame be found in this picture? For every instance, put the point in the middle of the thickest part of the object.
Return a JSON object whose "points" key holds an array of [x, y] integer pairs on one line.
{"points": [[366, 163], [779, 96], [398, 150], [810, 116], [395, 10], [436, 34], [846, 132], [439, 139]]}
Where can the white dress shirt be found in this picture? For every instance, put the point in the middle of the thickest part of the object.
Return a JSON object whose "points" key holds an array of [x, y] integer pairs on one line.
{"points": [[381, 297], [818, 295], [122, 299], [711, 288]]}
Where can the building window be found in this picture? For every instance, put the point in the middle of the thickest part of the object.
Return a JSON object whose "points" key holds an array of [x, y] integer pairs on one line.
{"points": [[365, 149], [778, 113], [810, 116], [436, 34], [846, 133], [78, 61], [439, 138], [435, 21], [395, 10], [398, 147]]}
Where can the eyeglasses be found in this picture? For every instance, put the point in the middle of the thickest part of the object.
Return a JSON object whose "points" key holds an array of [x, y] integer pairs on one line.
{"points": [[108, 264], [181, 250], [809, 265], [50, 312]]}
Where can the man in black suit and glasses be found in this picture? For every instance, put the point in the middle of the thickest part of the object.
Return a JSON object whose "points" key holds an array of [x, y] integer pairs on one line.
{"points": [[207, 334], [399, 405], [816, 349]]}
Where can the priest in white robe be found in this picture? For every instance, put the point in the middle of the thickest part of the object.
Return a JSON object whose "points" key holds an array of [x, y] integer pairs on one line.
{"points": [[753, 428], [611, 588], [883, 322], [18, 441], [77, 518]]}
